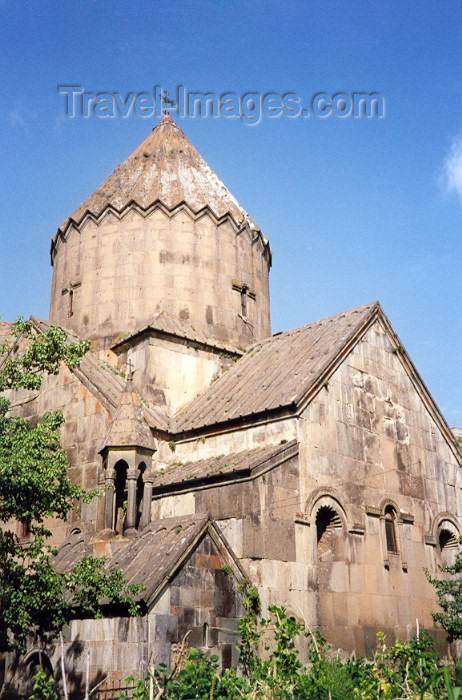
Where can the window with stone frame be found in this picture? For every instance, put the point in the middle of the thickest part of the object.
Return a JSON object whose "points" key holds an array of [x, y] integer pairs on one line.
{"points": [[69, 291], [24, 531], [245, 294], [327, 521], [70, 308], [391, 536], [448, 545]]}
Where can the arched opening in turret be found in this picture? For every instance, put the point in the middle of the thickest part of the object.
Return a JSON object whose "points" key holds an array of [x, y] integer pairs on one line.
{"points": [[140, 493], [121, 496]]}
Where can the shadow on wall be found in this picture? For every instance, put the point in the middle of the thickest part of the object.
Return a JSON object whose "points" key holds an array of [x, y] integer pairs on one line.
{"points": [[16, 674]]}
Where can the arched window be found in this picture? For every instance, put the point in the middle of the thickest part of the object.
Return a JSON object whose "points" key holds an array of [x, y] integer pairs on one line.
{"points": [[448, 545], [140, 493], [37, 661], [70, 308], [447, 539], [120, 487], [390, 530], [205, 635], [244, 291], [327, 520], [24, 530]]}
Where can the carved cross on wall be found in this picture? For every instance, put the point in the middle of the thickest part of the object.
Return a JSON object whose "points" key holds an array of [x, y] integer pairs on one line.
{"points": [[130, 370], [70, 290], [245, 294]]}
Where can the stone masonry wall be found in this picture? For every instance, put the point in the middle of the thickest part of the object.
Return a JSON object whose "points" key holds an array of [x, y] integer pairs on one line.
{"points": [[171, 373], [369, 437], [202, 599], [257, 519], [85, 423], [128, 269], [366, 442]]}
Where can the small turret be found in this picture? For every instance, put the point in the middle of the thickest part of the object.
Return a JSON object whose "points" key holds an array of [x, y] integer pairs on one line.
{"points": [[127, 452]]}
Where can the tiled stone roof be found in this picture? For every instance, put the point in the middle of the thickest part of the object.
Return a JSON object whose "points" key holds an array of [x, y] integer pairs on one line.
{"points": [[167, 168], [164, 322], [274, 373], [242, 463], [148, 559], [153, 555], [107, 384]]}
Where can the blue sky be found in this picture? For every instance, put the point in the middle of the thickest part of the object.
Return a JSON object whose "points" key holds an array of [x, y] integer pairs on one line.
{"points": [[355, 209]]}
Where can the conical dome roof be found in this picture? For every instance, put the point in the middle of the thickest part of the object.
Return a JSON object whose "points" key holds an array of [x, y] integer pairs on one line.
{"points": [[165, 167], [128, 428]]}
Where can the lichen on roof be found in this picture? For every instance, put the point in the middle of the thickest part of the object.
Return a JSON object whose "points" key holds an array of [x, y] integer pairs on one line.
{"points": [[275, 373], [167, 168], [237, 462]]}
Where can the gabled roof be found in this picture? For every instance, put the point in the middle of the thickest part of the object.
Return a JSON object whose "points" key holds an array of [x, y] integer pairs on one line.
{"points": [[238, 463], [284, 372], [106, 384], [168, 324], [276, 372], [167, 168], [154, 556]]}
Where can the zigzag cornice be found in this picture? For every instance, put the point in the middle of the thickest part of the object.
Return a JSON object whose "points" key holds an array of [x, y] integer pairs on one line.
{"points": [[71, 224]]}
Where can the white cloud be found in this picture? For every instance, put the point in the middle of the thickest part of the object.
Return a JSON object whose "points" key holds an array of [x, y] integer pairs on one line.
{"points": [[452, 168], [16, 118]]}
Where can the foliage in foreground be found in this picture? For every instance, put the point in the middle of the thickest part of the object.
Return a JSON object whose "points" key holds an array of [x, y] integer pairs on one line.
{"points": [[449, 594], [408, 670], [36, 600]]}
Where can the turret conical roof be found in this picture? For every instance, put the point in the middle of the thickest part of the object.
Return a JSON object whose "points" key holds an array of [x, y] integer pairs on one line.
{"points": [[129, 428], [167, 168]]}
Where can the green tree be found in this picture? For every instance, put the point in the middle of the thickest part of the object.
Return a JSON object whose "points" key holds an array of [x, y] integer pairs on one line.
{"points": [[449, 594], [35, 599]]}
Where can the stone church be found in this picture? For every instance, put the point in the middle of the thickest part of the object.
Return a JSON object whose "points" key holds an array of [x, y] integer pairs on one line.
{"points": [[313, 463]]}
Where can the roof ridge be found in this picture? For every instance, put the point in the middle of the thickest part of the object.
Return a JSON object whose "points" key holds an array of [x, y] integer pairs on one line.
{"points": [[91, 361], [261, 381], [325, 320], [216, 466], [180, 329]]}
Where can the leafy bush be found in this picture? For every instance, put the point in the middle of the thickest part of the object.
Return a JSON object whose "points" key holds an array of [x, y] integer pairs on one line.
{"points": [[449, 594], [35, 598], [409, 671], [43, 687]]}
